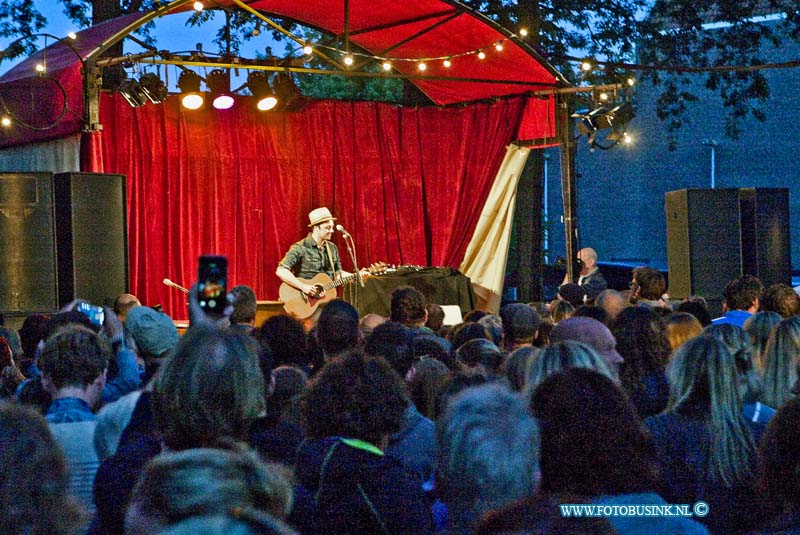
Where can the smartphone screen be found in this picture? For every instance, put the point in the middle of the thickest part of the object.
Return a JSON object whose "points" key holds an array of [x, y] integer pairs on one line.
{"points": [[95, 314], [212, 285]]}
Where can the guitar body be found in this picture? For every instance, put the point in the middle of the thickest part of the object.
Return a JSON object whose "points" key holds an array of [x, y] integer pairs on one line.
{"points": [[302, 306]]}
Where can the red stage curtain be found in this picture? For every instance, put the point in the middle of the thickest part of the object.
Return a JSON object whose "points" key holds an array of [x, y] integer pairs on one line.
{"points": [[408, 183]]}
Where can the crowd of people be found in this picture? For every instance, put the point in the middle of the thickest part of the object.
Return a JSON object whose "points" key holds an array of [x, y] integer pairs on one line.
{"points": [[400, 424]]}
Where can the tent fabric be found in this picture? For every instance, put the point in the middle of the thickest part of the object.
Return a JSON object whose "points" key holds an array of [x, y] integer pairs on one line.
{"points": [[408, 183], [487, 253], [412, 30], [38, 100], [427, 29]]}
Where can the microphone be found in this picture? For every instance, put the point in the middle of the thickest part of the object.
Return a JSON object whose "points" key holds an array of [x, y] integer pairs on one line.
{"points": [[342, 230], [174, 285]]}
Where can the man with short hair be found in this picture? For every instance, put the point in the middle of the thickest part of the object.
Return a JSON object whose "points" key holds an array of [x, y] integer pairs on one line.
{"points": [[337, 329], [487, 453], [781, 298], [408, 307], [243, 317], [589, 277], [612, 302], [649, 287], [520, 325], [73, 364], [742, 297], [124, 303]]}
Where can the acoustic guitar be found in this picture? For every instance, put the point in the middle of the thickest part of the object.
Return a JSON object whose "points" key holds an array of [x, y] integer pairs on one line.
{"points": [[302, 306]]}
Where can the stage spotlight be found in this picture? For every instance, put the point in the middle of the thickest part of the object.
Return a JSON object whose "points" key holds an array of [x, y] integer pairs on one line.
{"points": [[219, 84], [621, 115], [153, 88], [189, 84], [259, 87], [132, 92], [289, 96]]}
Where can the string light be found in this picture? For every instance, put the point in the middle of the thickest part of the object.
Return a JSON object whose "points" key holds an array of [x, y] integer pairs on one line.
{"points": [[348, 58], [603, 96], [422, 66], [5, 121], [72, 35], [627, 139], [631, 82], [523, 32], [40, 68], [586, 66], [198, 6]]}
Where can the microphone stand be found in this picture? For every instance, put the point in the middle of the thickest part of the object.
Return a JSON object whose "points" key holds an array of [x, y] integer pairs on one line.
{"points": [[348, 241]]}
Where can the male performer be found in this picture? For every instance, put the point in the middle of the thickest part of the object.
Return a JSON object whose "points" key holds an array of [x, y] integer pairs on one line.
{"points": [[312, 255]]}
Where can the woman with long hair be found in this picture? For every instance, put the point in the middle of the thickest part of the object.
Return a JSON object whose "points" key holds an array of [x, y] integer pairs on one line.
{"points": [[759, 326], [739, 344], [594, 445], [705, 445], [781, 357], [642, 342], [560, 357]]}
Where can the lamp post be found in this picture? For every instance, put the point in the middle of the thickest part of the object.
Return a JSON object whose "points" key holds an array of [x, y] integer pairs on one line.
{"points": [[713, 144]]}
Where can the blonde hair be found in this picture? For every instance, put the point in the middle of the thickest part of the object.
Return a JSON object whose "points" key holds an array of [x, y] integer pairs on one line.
{"points": [[680, 328]]}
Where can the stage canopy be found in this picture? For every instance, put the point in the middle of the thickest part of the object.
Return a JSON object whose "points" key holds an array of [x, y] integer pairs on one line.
{"points": [[415, 185]]}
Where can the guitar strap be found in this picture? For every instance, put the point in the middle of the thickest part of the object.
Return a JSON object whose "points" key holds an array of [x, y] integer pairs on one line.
{"points": [[330, 259]]}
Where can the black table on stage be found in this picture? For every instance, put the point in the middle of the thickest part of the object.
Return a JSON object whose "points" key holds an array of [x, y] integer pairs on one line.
{"points": [[440, 285]]}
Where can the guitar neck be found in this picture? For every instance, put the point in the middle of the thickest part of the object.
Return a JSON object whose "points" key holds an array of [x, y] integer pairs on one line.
{"points": [[338, 282]]}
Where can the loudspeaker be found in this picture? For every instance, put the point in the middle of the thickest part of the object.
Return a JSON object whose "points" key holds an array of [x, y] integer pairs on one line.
{"points": [[27, 244], [766, 251], [716, 235], [703, 242], [91, 236]]}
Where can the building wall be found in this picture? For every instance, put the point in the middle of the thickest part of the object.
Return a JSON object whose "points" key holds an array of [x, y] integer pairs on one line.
{"points": [[621, 191]]}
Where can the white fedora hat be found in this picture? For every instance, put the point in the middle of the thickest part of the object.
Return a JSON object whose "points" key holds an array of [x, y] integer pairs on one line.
{"points": [[319, 215]]}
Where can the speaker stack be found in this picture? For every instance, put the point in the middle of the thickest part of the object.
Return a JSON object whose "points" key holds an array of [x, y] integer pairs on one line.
{"points": [[62, 237], [716, 235]]}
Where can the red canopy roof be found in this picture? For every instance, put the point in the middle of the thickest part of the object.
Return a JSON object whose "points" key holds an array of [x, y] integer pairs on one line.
{"points": [[398, 29]]}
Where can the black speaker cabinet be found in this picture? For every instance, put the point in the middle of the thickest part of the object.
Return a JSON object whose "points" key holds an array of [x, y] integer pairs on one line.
{"points": [[91, 236], [715, 235], [766, 247], [27, 245]]}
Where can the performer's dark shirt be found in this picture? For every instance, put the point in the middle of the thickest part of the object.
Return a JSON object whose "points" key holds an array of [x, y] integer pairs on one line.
{"points": [[305, 259]]}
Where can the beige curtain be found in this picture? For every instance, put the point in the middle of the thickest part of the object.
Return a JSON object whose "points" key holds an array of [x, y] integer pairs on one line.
{"points": [[59, 156], [485, 260]]}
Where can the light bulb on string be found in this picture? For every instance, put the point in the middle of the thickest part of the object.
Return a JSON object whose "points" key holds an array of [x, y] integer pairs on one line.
{"points": [[387, 66], [447, 63], [307, 50], [523, 32], [348, 60], [422, 66], [72, 35], [5, 121], [40, 68], [499, 46], [198, 6], [481, 55]]}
